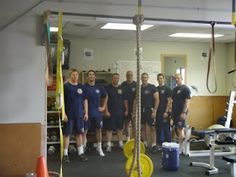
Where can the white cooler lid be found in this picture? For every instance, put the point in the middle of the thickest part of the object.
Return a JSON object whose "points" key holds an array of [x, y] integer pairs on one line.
{"points": [[170, 145]]}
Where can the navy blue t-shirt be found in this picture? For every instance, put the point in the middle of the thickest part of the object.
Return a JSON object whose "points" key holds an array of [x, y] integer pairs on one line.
{"points": [[180, 93], [94, 94], [74, 96], [116, 99], [130, 93], [147, 95], [164, 93]]}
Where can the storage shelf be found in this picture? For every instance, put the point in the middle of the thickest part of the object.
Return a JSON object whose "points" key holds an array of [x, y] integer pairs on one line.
{"points": [[53, 126], [53, 112]]}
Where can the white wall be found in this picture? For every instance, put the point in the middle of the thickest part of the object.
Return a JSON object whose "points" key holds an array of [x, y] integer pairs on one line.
{"points": [[107, 52], [231, 78], [22, 61], [22, 88]]}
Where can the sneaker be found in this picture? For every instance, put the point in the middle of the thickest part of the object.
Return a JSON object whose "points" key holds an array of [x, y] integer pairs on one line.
{"points": [[120, 144], [159, 148], [82, 158], [154, 149], [100, 152], [108, 149], [66, 159]]}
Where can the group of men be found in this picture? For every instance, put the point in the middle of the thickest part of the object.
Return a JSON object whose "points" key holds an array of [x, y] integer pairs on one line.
{"points": [[91, 104]]}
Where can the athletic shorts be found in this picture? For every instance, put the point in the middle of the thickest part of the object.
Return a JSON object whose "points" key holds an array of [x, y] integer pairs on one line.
{"points": [[93, 123], [114, 123], [179, 123], [128, 117], [162, 120], [146, 117], [73, 126]]}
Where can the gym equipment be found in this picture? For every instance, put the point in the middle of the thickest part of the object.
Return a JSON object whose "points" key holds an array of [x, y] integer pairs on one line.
{"points": [[146, 166], [138, 164], [232, 160], [202, 133], [170, 156], [211, 58], [51, 150], [129, 148], [60, 85], [212, 137]]}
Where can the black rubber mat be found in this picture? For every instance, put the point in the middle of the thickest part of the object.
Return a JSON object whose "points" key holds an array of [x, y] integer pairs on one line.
{"points": [[113, 165]]}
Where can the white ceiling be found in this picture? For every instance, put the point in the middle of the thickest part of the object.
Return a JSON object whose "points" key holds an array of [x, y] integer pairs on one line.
{"points": [[90, 28], [79, 27]]}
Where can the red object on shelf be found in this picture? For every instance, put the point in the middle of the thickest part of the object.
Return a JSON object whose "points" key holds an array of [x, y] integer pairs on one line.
{"points": [[53, 86]]}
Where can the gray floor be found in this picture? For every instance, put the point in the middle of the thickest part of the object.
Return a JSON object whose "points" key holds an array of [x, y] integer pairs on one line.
{"points": [[113, 165]]}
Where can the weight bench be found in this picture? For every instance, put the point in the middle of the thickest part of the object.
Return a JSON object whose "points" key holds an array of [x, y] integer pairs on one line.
{"points": [[212, 143], [232, 160], [206, 136]]}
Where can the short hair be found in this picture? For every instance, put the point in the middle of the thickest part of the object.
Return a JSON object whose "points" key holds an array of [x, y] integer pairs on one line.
{"points": [[144, 74], [178, 75], [129, 72], [115, 74], [160, 74], [73, 70], [91, 70]]}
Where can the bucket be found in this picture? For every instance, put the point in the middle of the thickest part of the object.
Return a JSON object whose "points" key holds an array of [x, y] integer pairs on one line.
{"points": [[30, 175], [170, 156]]}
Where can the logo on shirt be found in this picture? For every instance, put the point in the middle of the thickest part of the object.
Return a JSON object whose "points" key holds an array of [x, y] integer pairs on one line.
{"points": [[97, 91], [79, 91], [179, 91], [119, 91], [146, 92], [162, 91], [180, 123], [133, 89]]}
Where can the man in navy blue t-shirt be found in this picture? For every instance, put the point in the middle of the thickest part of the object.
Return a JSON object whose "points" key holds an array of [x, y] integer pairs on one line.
{"points": [[149, 105], [163, 111], [117, 108], [96, 106], [129, 87], [181, 98], [76, 111]]}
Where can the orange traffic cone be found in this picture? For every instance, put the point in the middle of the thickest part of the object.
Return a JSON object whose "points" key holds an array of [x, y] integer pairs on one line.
{"points": [[42, 170]]}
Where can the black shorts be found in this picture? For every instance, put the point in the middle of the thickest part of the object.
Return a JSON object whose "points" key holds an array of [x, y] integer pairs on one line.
{"points": [[178, 122], [75, 125], [146, 117], [114, 123], [93, 123]]}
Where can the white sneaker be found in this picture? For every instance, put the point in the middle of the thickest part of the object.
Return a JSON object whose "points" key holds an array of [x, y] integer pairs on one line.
{"points": [[108, 149], [100, 152]]}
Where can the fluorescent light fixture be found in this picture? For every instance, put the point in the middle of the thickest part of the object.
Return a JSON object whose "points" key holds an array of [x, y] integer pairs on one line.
{"points": [[53, 29], [124, 26], [194, 35]]}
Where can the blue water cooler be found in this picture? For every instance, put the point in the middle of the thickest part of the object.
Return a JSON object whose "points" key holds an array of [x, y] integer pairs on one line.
{"points": [[170, 156]]}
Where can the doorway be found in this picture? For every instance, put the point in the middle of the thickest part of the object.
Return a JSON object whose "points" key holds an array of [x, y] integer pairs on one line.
{"points": [[172, 64]]}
